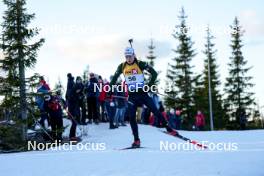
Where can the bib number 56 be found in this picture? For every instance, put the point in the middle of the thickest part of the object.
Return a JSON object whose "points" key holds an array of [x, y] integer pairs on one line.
{"points": [[132, 78]]}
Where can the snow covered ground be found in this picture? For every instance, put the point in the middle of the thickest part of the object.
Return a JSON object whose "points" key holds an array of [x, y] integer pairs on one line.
{"points": [[103, 158]]}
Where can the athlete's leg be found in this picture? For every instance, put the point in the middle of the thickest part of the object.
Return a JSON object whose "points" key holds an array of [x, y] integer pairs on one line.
{"points": [[157, 114], [132, 106]]}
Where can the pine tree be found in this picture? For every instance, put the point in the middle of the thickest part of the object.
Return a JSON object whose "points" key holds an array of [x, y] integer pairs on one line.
{"points": [[238, 85], [179, 73], [19, 52]]}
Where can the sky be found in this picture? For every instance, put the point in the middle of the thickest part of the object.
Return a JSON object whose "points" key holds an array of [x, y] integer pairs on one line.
{"points": [[84, 32]]}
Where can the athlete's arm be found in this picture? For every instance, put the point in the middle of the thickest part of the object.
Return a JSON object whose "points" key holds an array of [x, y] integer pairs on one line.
{"points": [[148, 68], [116, 75]]}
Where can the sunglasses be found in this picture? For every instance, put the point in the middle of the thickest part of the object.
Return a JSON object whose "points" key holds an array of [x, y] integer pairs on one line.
{"points": [[129, 57]]}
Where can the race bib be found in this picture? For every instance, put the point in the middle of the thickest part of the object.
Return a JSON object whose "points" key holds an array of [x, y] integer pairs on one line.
{"points": [[135, 81], [134, 76]]}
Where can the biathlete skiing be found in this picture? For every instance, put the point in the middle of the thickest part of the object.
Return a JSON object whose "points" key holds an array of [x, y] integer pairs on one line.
{"points": [[132, 69]]}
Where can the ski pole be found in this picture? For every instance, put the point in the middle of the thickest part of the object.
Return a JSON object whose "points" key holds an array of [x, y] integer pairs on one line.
{"points": [[36, 121], [123, 97], [166, 96], [73, 119], [71, 116]]}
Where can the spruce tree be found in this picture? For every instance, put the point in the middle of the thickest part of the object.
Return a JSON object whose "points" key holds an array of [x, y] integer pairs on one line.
{"points": [[19, 52], [238, 83], [179, 73]]}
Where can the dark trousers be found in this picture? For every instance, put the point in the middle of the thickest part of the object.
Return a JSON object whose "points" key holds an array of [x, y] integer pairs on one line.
{"points": [[56, 126], [72, 108], [73, 129], [103, 111], [200, 128], [111, 111], [92, 108], [242, 126], [81, 111], [138, 99], [44, 116]]}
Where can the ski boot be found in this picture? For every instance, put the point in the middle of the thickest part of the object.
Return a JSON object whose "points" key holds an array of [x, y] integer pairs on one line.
{"points": [[96, 121], [90, 121], [136, 144], [112, 127]]}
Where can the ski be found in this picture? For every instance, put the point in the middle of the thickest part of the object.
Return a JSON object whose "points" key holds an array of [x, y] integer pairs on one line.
{"points": [[186, 139], [129, 148]]}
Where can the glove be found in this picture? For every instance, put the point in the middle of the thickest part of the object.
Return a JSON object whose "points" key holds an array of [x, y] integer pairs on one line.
{"points": [[112, 104], [47, 97]]}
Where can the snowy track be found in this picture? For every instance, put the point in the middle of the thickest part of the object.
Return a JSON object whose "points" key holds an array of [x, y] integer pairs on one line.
{"points": [[247, 160]]}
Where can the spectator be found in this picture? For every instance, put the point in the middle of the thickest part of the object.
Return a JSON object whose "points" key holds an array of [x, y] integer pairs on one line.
{"points": [[178, 119], [79, 89], [53, 107], [111, 110], [72, 101], [92, 99], [43, 89], [199, 121], [101, 101], [243, 120]]}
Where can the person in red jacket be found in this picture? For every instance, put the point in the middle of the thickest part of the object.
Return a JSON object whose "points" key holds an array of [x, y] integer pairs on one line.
{"points": [[199, 121], [101, 100]]}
